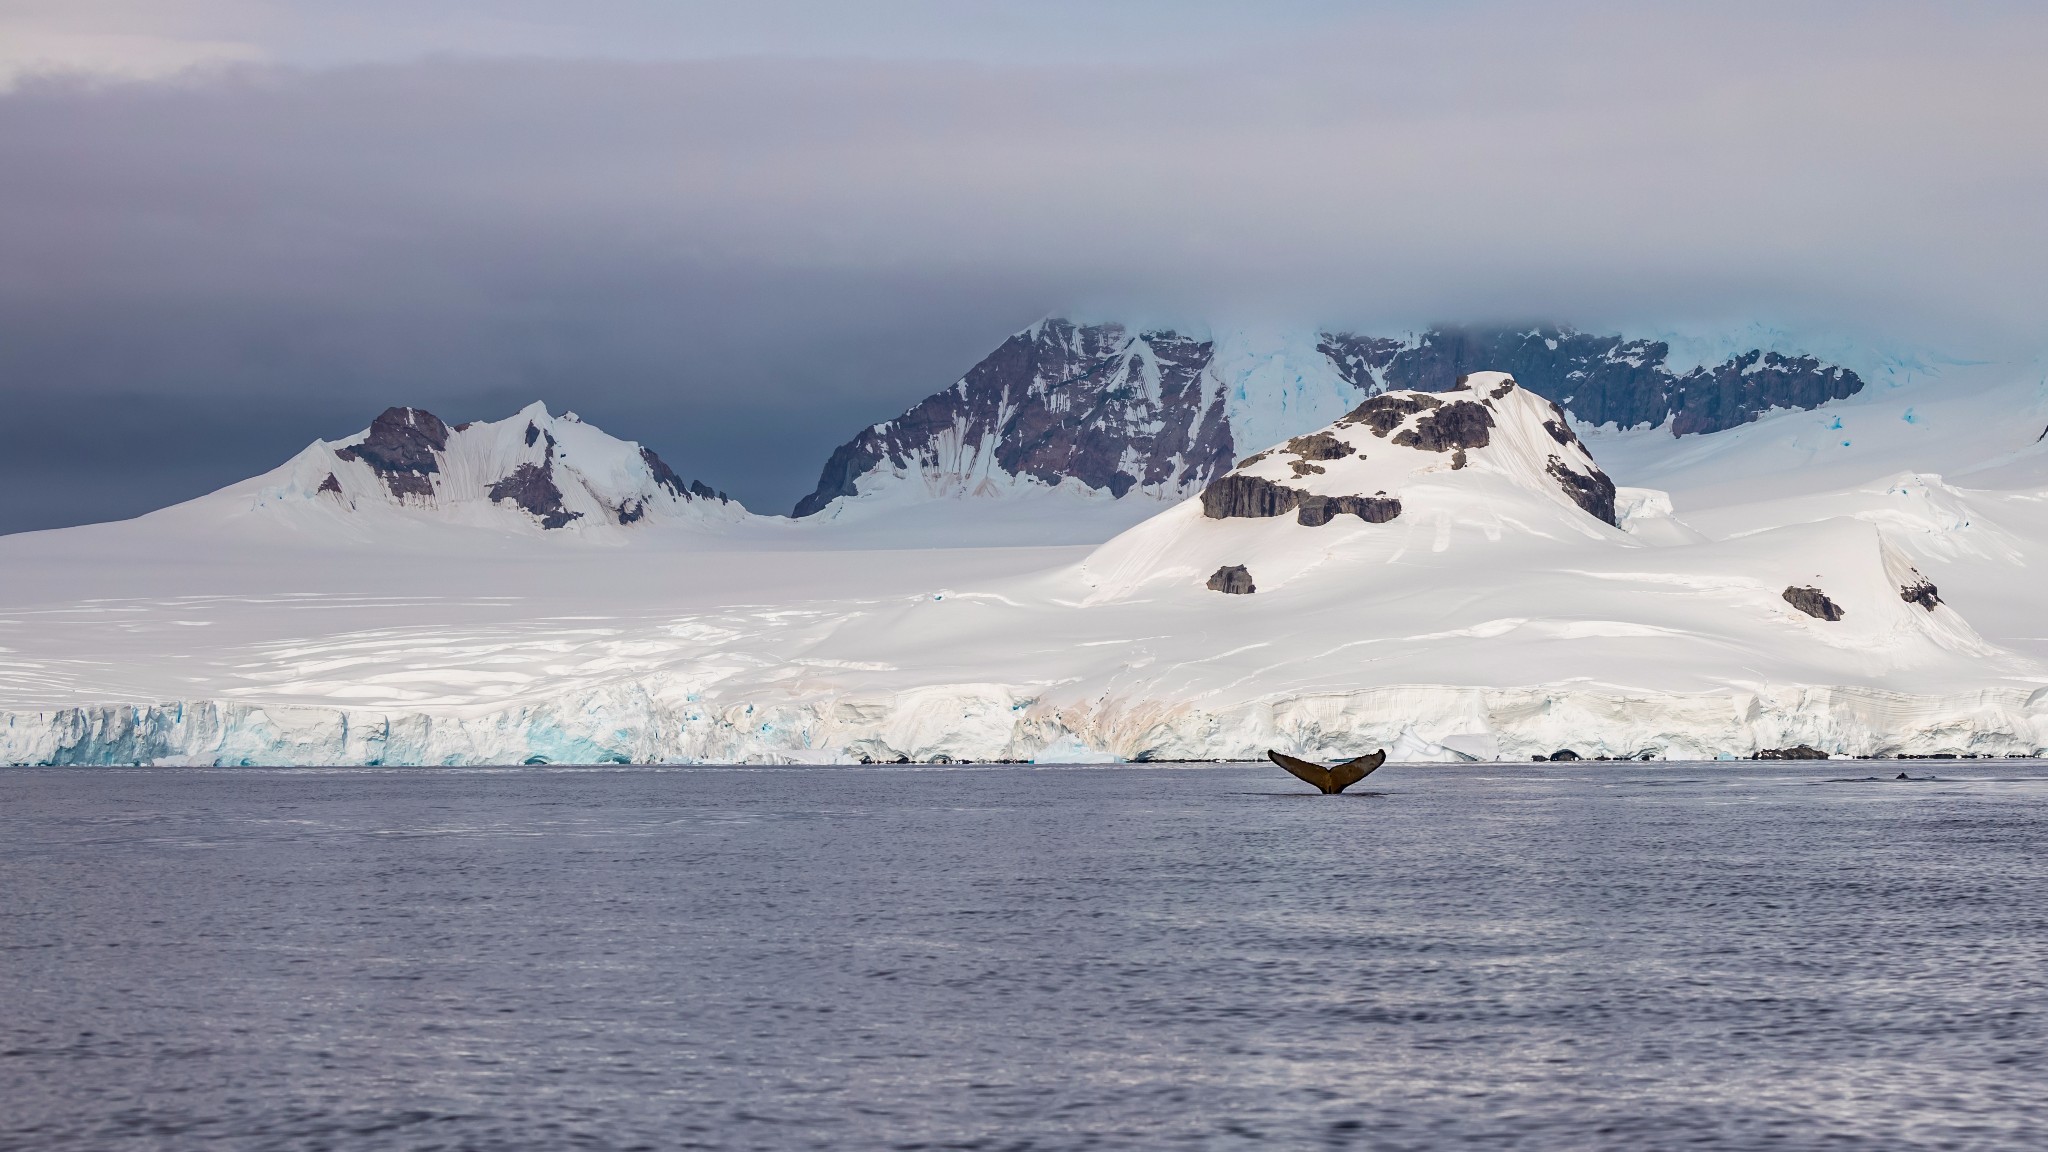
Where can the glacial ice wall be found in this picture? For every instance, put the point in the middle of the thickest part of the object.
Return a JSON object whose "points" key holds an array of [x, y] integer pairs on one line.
{"points": [[992, 722]]}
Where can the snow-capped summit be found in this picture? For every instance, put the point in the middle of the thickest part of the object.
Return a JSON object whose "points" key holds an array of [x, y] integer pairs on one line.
{"points": [[1105, 412], [1487, 454], [532, 471], [1486, 423], [1471, 534]]}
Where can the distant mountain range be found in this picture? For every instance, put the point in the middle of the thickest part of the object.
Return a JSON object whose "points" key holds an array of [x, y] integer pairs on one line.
{"points": [[1117, 410], [1058, 411]]}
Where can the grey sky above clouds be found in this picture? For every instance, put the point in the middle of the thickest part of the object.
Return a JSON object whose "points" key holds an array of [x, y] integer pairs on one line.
{"points": [[739, 232]]}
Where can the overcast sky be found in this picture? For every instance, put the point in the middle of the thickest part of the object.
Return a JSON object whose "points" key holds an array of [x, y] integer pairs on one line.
{"points": [[739, 232]]}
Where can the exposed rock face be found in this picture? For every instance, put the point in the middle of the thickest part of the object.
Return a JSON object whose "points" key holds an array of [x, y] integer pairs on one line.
{"points": [[1234, 579], [1361, 360], [1250, 496], [1383, 414], [400, 448], [1814, 603], [663, 474], [1315, 511], [1460, 424], [1795, 752], [1256, 498], [1319, 446], [1921, 593], [532, 487], [1060, 402], [1564, 754], [331, 484], [1592, 491], [1603, 379], [1113, 410]]}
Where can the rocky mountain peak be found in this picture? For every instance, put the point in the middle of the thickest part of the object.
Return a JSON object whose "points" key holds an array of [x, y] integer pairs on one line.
{"points": [[1358, 465], [534, 468], [1163, 412]]}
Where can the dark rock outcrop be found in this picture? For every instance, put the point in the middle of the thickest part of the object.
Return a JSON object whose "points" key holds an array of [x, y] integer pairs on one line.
{"points": [[1459, 424], [1319, 446], [1603, 379], [1921, 593], [1592, 491], [1234, 579], [1315, 511], [662, 473], [532, 487], [331, 484], [1814, 603], [1250, 496], [1795, 752], [1564, 754], [1383, 414], [401, 448]]}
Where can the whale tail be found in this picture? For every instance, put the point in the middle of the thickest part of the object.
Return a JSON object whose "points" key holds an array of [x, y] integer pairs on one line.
{"points": [[1333, 779]]}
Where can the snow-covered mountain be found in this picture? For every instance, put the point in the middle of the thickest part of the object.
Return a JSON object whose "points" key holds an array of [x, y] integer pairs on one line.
{"points": [[533, 471], [1451, 574], [1103, 411], [1455, 572]]}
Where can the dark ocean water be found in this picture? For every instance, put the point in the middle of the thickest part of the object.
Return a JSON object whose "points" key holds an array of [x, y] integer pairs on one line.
{"points": [[1568, 956]]}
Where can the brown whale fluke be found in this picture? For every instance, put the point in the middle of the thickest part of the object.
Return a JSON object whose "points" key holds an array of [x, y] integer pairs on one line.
{"points": [[1333, 779]]}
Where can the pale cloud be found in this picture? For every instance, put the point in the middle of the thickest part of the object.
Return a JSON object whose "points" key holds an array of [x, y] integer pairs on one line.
{"points": [[744, 259], [118, 39]]}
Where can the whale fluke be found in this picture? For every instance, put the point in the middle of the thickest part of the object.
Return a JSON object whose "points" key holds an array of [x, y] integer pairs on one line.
{"points": [[1333, 779]]}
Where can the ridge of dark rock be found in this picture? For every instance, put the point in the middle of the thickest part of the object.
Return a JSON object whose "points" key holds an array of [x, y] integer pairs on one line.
{"points": [[1061, 402], [1316, 511], [1459, 424], [532, 487], [401, 447], [1592, 491], [1384, 413], [1253, 497], [663, 474], [1603, 379], [1319, 446]]}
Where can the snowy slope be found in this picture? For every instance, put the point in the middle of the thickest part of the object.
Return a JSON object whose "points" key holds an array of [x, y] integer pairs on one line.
{"points": [[1497, 611]]}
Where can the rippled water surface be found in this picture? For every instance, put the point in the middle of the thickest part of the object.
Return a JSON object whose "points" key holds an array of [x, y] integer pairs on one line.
{"points": [[1550, 956]]}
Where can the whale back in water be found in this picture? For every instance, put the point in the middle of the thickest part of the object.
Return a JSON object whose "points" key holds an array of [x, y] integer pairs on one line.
{"points": [[1333, 779]]}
